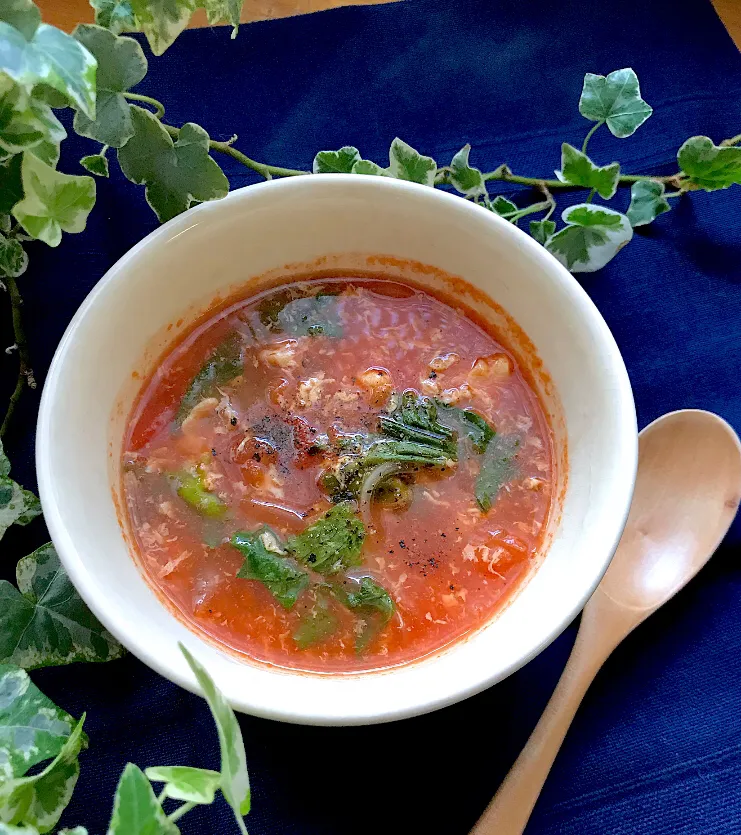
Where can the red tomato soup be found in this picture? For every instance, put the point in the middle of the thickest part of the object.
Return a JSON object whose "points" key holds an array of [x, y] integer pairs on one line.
{"points": [[338, 475]]}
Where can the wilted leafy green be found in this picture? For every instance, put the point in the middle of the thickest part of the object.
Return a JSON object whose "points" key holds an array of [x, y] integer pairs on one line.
{"points": [[416, 419], [121, 65], [592, 237], [407, 164], [647, 202], [42, 54], [336, 162], [40, 799], [17, 506], [222, 366], [235, 780], [466, 179], [541, 230], [174, 173], [374, 605], [709, 166], [53, 202], [32, 728], [136, 811], [311, 316], [578, 170], [44, 621], [467, 424], [616, 100], [499, 465], [194, 785], [317, 623], [266, 560], [333, 543]]}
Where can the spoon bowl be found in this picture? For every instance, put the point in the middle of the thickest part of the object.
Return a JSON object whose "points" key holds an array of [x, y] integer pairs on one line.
{"points": [[686, 495]]}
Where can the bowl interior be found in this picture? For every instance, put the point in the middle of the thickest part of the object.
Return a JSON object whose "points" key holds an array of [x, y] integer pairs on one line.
{"points": [[336, 221]]}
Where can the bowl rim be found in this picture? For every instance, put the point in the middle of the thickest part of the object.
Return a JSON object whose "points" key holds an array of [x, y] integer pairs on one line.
{"points": [[63, 538]]}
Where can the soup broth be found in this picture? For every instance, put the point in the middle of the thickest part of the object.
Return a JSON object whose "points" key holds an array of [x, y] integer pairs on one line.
{"points": [[338, 475]]}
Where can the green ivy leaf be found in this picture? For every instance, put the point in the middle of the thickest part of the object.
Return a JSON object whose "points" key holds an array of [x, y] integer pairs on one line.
{"points": [[541, 230], [121, 65], [193, 785], [19, 128], [615, 100], [593, 236], [40, 799], [116, 15], [78, 830], [465, 179], [162, 20], [54, 134], [6, 223], [96, 164], [365, 166], [501, 206], [44, 622], [32, 727], [17, 506], [709, 166], [7, 829], [13, 258], [23, 15], [235, 780], [647, 202], [336, 162], [11, 185], [136, 810], [223, 11], [407, 164], [53, 201], [578, 170], [175, 174], [52, 57]]}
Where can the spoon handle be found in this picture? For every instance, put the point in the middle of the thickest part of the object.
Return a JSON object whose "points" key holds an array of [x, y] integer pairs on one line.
{"points": [[510, 809]]}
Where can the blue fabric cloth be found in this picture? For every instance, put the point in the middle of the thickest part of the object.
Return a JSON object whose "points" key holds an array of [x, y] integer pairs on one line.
{"points": [[656, 747]]}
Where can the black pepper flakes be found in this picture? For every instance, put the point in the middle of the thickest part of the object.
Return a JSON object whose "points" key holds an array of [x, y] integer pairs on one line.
{"points": [[402, 544], [213, 452], [233, 421]]}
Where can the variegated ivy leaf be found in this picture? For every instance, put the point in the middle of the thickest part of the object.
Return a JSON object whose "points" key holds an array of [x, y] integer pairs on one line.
{"points": [[7, 829], [121, 65], [592, 237], [96, 164], [48, 56], [22, 15], [541, 230], [116, 15], [136, 811], [223, 11], [615, 100], [53, 202], [13, 259], [11, 186], [501, 206], [647, 202], [174, 173], [235, 780], [578, 170], [710, 166], [464, 178], [44, 621], [28, 123], [32, 727], [78, 830], [17, 506], [193, 785], [336, 162], [407, 164], [5, 224], [365, 166], [40, 799], [162, 20]]}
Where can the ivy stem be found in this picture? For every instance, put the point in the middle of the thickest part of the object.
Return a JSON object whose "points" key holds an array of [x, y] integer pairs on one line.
{"points": [[157, 105], [528, 210], [266, 171], [589, 136], [180, 811], [505, 174], [25, 374]]}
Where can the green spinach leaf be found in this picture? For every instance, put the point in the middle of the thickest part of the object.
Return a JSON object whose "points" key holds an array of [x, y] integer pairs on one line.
{"points": [[333, 543], [266, 560], [499, 465]]}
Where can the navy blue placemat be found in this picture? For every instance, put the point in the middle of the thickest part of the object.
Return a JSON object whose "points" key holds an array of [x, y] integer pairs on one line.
{"points": [[656, 747]]}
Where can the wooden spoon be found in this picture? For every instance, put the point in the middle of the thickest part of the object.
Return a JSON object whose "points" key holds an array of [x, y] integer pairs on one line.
{"points": [[686, 495]]}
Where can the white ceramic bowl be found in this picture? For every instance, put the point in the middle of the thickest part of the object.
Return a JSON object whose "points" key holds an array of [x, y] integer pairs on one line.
{"points": [[335, 221]]}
